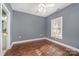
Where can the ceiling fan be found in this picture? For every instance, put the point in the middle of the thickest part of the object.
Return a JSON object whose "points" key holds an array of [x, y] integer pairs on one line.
{"points": [[42, 7]]}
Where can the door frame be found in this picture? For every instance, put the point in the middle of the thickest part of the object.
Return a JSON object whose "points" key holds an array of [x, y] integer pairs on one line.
{"points": [[8, 14], [1, 29]]}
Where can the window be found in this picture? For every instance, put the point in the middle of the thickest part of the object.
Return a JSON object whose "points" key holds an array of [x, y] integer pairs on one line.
{"points": [[56, 27]]}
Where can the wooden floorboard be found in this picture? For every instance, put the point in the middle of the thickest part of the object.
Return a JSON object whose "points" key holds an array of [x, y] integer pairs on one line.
{"points": [[40, 48]]}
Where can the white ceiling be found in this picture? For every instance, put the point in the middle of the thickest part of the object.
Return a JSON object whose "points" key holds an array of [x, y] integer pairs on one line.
{"points": [[32, 8]]}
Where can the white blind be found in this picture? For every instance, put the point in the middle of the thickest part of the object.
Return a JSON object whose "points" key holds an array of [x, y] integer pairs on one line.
{"points": [[57, 27]]}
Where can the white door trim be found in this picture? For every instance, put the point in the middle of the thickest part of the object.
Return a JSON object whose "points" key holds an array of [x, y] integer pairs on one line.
{"points": [[8, 13], [1, 31]]}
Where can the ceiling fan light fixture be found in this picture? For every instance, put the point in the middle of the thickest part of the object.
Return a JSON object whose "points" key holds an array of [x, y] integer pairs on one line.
{"points": [[41, 7]]}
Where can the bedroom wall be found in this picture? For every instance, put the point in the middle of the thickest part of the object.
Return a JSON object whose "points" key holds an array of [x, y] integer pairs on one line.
{"points": [[26, 26], [70, 24]]}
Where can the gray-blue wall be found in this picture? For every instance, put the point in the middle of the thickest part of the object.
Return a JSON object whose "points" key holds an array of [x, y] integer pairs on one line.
{"points": [[27, 26], [70, 24]]}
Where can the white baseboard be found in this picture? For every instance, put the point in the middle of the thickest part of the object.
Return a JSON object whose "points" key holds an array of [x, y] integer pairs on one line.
{"points": [[65, 45], [17, 42], [3, 52], [0, 53]]}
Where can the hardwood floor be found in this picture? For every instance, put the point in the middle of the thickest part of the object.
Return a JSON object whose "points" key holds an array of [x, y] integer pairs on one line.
{"points": [[40, 48]]}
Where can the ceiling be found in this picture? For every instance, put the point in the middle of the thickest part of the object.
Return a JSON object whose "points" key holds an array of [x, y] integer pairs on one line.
{"points": [[36, 8]]}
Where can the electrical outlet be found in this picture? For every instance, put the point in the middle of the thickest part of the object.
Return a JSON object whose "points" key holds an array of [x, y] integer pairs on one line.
{"points": [[41, 34], [20, 37]]}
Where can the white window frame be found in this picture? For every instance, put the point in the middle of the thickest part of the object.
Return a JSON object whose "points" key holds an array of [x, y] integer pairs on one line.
{"points": [[53, 21]]}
